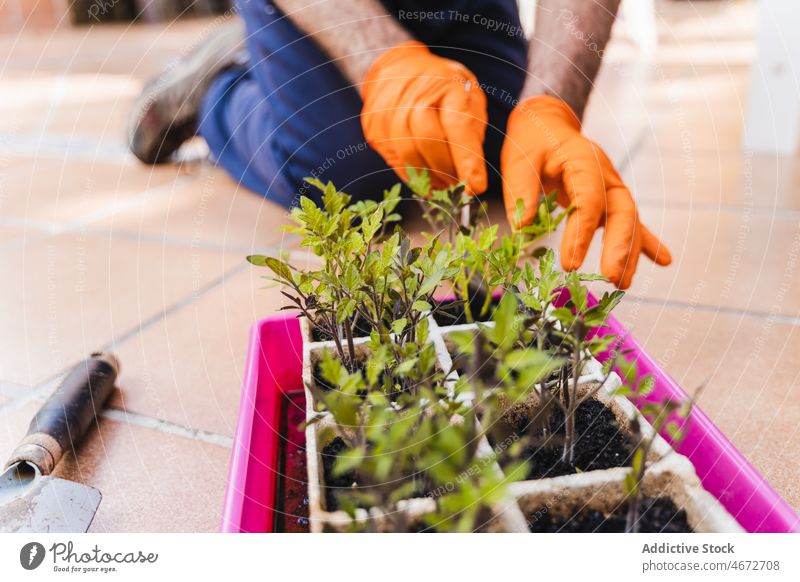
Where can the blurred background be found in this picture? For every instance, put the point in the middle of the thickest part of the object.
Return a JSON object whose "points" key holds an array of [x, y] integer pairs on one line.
{"points": [[697, 104], [42, 14]]}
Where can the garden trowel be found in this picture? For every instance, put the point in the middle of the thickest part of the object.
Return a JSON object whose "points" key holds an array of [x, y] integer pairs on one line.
{"points": [[31, 500]]}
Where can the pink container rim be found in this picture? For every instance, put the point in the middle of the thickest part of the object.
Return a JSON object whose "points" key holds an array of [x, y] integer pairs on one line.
{"points": [[274, 368]]}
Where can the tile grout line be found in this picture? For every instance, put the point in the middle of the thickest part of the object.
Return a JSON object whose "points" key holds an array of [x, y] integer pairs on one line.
{"points": [[785, 213], [60, 146], [53, 229], [124, 416], [122, 234], [188, 300], [46, 387], [12, 390], [168, 427], [758, 315], [180, 304]]}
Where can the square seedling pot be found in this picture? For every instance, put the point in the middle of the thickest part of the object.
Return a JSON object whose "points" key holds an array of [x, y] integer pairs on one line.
{"points": [[508, 516], [275, 368]]}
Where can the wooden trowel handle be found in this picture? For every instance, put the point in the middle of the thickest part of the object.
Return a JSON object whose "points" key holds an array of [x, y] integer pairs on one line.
{"points": [[62, 421]]}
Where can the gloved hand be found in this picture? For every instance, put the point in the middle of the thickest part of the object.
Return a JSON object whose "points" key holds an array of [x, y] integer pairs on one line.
{"points": [[545, 151], [425, 111]]}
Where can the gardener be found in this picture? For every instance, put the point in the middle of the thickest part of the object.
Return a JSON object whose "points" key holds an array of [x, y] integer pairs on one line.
{"points": [[355, 92]]}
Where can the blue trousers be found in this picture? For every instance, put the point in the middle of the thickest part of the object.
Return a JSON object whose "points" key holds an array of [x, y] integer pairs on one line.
{"points": [[291, 114]]}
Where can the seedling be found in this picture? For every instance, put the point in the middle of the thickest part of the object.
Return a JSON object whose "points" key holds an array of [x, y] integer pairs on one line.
{"points": [[407, 430], [576, 319], [426, 448], [367, 276], [488, 263], [668, 414]]}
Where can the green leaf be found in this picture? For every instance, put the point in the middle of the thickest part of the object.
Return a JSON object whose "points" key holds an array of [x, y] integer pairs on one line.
{"points": [[519, 211], [372, 225], [348, 460], [421, 306], [398, 325], [628, 370], [278, 267], [430, 283], [646, 386], [257, 260], [527, 357], [564, 315], [406, 366], [675, 431], [505, 330], [622, 390], [345, 310], [419, 182]]}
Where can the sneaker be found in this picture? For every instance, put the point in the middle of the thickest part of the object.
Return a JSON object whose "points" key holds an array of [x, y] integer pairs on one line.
{"points": [[166, 113]]}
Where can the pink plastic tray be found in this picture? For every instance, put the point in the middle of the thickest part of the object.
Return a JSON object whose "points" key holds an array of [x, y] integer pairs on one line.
{"points": [[274, 368]]}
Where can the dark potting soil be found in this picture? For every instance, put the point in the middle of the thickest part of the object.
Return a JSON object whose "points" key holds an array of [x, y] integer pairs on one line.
{"points": [[452, 312], [322, 383], [655, 516], [334, 483], [349, 480], [600, 443], [361, 329]]}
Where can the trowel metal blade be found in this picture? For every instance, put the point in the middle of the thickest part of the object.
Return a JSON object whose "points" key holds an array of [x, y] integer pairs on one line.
{"points": [[36, 504]]}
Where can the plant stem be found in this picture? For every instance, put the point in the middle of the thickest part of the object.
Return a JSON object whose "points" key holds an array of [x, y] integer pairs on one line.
{"points": [[348, 330], [568, 454], [464, 292], [632, 518]]}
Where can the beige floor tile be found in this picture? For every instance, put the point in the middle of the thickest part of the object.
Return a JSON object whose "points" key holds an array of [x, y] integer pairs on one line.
{"points": [[11, 391], [140, 51], [13, 235], [695, 133], [106, 121], [150, 481], [188, 368], [14, 420], [68, 295], [726, 259], [71, 103], [210, 209], [753, 372], [715, 181], [44, 190]]}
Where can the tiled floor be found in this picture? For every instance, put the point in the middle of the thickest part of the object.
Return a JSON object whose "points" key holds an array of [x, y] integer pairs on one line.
{"points": [[98, 251]]}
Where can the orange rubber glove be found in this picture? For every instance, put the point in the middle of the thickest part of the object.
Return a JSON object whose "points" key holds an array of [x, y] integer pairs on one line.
{"points": [[425, 111], [545, 151]]}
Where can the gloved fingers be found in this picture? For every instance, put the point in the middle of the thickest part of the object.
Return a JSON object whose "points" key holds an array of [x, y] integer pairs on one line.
{"points": [[583, 182], [376, 125], [431, 142], [653, 248], [464, 118], [522, 179], [632, 260], [402, 139], [622, 236]]}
